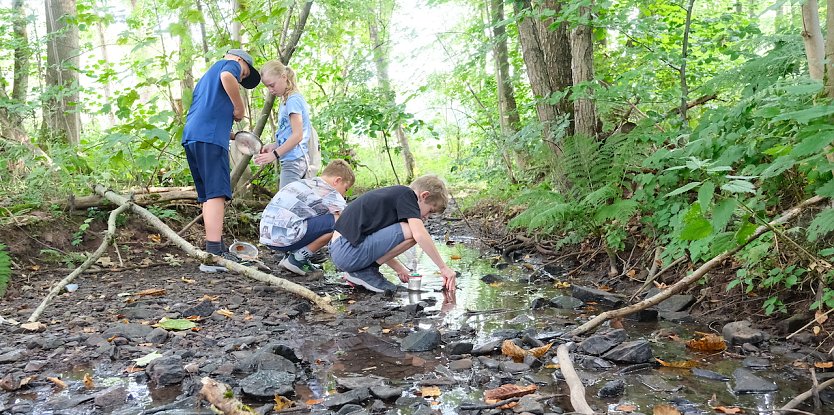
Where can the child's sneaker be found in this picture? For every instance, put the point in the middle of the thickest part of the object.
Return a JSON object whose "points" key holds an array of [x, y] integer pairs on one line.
{"points": [[301, 267], [371, 279], [211, 268]]}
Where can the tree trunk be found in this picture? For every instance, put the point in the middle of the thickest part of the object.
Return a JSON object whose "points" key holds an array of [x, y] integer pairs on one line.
{"points": [[106, 86], [507, 107], [684, 56], [381, 17], [829, 48], [62, 108], [582, 53], [186, 57], [557, 52], [812, 37], [199, 5], [21, 53]]}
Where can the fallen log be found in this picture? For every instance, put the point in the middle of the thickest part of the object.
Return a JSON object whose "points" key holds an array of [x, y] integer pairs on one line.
{"points": [[106, 241], [577, 389], [805, 395], [695, 275], [146, 199], [291, 287]]}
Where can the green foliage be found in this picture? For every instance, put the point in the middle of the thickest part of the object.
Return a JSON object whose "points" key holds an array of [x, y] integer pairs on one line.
{"points": [[5, 269]]}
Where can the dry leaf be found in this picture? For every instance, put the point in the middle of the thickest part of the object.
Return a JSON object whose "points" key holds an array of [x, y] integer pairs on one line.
{"points": [[561, 284], [631, 273], [134, 369], [510, 349], [728, 410], [25, 381], [207, 297], [824, 365], [282, 403], [507, 391], [33, 326], [541, 350], [817, 330], [800, 364], [155, 237], [710, 342], [626, 407], [225, 312], [386, 331], [311, 402], [820, 317], [187, 281], [429, 391], [58, 382], [665, 410], [616, 323], [681, 364], [151, 292], [88, 381], [454, 257], [104, 261]]}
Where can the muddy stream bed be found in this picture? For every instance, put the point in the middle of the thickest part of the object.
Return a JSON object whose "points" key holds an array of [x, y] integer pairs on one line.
{"points": [[379, 354]]}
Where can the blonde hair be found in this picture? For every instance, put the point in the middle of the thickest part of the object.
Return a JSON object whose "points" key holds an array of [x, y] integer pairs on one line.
{"points": [[340, 168], [276, 68], [438, 196]]}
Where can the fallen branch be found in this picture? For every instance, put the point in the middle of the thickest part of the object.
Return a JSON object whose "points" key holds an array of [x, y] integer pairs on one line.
{"points": [[695, 275], [205, 257], [108, 238], [215, 392], [652, 278], [577, 390], [480, 407], [145, 199], [805, 395]]}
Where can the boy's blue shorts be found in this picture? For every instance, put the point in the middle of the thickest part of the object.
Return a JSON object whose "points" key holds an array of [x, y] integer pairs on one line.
{"points": [[316, 227], [351, 258], [209, 165]]}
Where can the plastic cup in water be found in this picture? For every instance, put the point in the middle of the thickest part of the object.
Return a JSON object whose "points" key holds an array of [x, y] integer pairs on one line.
{"points": [[414, 282]]}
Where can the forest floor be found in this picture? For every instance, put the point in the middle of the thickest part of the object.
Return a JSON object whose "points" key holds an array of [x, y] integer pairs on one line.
{"points": [[106, 324]]}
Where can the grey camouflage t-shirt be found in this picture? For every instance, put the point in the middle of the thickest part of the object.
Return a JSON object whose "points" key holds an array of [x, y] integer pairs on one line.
{"points": [[283, 222]]}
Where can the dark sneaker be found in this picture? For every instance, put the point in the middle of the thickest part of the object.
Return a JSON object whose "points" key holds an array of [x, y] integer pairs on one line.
{"points": [[210, 268], [318, 257], [371, 279], [299, 267]]}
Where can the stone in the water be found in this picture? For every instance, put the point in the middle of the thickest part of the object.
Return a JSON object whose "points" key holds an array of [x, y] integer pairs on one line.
{"points": [[489, 362], [462, 364], [111, 397], [166, 370], [592, 294], [355, 396], [459, 348], [264, 359], [637, 351], [747, 382], [421, 341], [603, 342], [676, 316], [755, 363], [612, 389], [529, 405], [512, 367], [486, 348], [350, 409], [658, 384], [740, 332], [566, 302], [268, 383], [385, 392], [708, 374]]}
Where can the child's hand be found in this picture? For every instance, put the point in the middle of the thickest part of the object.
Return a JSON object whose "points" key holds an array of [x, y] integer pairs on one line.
{"points": [[449, 279], [238, 113], [403, 276]]}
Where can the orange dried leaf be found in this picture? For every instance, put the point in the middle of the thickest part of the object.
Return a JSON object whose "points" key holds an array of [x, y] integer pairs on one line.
{"points": [[311, 402], [134, 369], [508, 391], [225, 312], [207, 297], [728, 410], [510, 349], [665, 410], [626, 407], [88, 381], [187, 280], [454, 257], [58, 382], [282, 403], [151, 292], [155, 237], [820, 317], [541, 350], [824, 365], [429, 391], [681, 364], [710, 342]]}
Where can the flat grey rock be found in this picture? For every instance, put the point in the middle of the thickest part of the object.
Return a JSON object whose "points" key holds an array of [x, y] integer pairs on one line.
{"points": [[747, 382], [638, 351], [421, 341], [740, 332], [268, 383], [708, 374]]}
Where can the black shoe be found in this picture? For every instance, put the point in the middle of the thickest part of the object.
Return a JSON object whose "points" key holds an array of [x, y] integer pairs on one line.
{"points": [[318, 257], [371, 279], [299, 267]]}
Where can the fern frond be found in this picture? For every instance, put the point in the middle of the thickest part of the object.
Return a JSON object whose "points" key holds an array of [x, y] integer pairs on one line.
{"points": [[620, 211], [554, 216], [536, 196], [5, 269], [600, 197], [822, 225]]}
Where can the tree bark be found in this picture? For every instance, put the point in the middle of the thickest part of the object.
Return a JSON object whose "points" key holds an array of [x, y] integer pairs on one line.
{"points": [[62, 108], [829, 49], [507, 108], [684, 56], [557, 52], [812, 37], [21, 53], [582, 54]]}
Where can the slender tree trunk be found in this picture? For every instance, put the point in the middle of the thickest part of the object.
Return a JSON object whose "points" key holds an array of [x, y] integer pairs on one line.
{"points": [[381, 17], [684, 56], [812, 37], [557, 53], [199, 5], [507, 108], [582, 52], [21, 53], [106, 86], [186, 58], [62, 108], [829, 66]]}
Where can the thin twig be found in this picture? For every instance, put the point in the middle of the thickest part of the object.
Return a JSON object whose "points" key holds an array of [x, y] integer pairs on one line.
{"points": [[814, 320], [651, 279]]}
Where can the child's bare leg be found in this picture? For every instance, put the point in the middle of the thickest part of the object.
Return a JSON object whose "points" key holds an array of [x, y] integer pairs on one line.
{"points": [[390, 258], [213, 210], [320, 242]]}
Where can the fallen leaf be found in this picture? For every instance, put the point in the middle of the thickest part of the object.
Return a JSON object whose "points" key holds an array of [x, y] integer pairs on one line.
{"points": [[386, 331], [541, 350], [710, 342], [311, 402], [151, 292], [175, 324], [552, 366], [817, 330], [225, 312], [207, 297], [144, 360], [728, 410], [155, 237], [681, 364], [510, 349], [507, 391], [631, 273], [25, 381], [58, 382], [282, 403], [820, 317], [193, 318], [562, 284], [104, 261], [134, 369], [454, 257], [34, 326], [616, 323], [35, 267], [429, 391], [800, 364], [88, 381], [626, 407], [665, 410], [187, 281], [824, 365]]}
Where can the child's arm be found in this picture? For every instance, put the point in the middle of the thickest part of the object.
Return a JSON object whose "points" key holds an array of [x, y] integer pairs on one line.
{"points": [[295, 136], [422, 237], [230, 86]]}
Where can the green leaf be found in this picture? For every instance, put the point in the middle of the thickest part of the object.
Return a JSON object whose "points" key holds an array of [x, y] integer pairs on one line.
{"points": [[175, 324], [722, 213], [682, 189], [705, 194], [827, 252], [822, 225], [739, 186], [826, 190], [144, 360], [806, 115], [695, 225], [814, 143], [778, 166], [745, 231]]}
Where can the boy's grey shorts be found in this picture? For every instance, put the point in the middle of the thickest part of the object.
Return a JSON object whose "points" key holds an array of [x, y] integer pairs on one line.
{"points": [[351, 258]]}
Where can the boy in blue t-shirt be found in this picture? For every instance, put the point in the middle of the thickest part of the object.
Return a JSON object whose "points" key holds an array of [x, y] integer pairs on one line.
{"points": [[215, 105]]}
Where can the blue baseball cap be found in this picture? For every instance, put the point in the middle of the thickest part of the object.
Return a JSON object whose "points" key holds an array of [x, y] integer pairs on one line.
{"points": [[254, 77]]}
